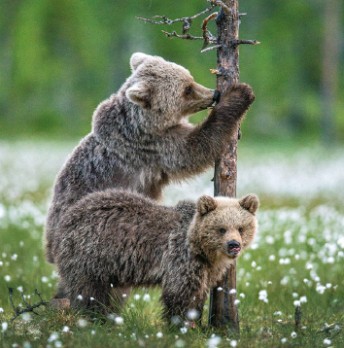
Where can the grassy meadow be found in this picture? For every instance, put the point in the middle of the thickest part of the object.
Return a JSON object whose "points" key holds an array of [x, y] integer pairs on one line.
{"points": [[297, 259]]}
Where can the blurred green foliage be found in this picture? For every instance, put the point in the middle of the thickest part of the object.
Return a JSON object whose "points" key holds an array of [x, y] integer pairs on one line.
{"points": [[60, 58]]}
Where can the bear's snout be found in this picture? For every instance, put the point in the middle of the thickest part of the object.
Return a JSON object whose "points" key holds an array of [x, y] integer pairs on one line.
{"points": [[233, 248], [216, 96]]}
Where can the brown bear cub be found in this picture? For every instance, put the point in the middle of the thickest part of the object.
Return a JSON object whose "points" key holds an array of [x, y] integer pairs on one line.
{"points": [[141, 140], [116, 238]]}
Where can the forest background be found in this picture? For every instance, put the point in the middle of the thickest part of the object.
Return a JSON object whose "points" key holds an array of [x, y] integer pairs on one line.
{"points": [[59, 59]]}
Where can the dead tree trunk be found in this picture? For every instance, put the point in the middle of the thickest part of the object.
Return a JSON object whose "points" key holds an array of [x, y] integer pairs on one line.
{"points": [[223, 310]]}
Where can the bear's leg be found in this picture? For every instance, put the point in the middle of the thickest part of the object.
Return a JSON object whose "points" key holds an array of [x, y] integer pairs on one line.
{"points": [[94, 296], [119, 297], [180, 309]]}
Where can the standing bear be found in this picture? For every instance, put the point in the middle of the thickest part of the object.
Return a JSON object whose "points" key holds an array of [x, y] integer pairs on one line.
{"points": [[117, 238], [141, 140]]}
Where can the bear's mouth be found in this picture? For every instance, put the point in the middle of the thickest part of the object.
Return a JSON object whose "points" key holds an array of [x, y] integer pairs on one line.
{"points": [[233, 252], [233, 248]]}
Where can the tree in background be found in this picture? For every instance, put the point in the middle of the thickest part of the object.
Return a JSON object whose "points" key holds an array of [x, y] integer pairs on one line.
{"points": [[58, 59]]}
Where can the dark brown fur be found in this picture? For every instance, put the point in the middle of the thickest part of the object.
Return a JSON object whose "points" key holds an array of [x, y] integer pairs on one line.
{"points": [[116, 238]]}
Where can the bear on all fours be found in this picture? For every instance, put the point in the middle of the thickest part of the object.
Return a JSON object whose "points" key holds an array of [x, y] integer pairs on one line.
{"points": [[123, 239]]}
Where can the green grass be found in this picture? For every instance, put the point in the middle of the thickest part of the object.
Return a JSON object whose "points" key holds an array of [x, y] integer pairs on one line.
{"points": [[298, 255]]}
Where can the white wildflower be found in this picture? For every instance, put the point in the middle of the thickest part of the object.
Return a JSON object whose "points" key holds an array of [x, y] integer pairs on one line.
{"points": [[53, 337], [233, 343], [44, 279], [137, 297], [146, 297], [303, 299], [183, 330], [293, 334], [7, 278], [214, 341], [159, 334], [65, 329], [232, 291], [263, 296], [119, 320], [284, 340], [79, 297], [4, 326], [82, 323], [327, 341], [192, 314]]}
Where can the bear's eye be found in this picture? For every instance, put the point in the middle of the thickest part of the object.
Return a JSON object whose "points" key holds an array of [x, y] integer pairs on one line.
{"points": [[241, 230], [188, 90], [222, 230]]}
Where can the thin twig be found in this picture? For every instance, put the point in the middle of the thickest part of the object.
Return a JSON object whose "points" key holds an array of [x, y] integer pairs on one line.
{"points": [[183, 36], [245, 42], [207, 35], [168, 21], [29, 308], [210, 48]]}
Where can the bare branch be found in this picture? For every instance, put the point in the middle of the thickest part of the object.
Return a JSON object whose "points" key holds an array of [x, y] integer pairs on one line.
{"points": [[168, 21], [183, 36], [224, 7], [209, 49], [207, 35], [245, 42], [29, 308]]}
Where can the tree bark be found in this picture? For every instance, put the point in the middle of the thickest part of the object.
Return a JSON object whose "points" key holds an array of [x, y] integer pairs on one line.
{"points": [[223, 310]]}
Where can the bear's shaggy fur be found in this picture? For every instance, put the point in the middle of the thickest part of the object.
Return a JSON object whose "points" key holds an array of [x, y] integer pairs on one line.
{"points": [[140, 138], [116, 238]]}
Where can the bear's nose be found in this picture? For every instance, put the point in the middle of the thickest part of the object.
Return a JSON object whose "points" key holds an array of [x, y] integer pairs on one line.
{"points": [[216, 96], [233, 244]]}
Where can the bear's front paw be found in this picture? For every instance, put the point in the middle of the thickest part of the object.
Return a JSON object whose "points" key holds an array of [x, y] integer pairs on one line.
{"points": [[238, 93]]}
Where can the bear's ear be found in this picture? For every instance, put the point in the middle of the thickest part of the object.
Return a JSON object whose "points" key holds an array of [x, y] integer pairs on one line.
{"points": [[139, 94], [137, 59], [250, 203], [206, 204]]}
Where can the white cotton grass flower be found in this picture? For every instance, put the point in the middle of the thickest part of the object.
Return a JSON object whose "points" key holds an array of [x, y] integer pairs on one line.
{"points": [[233, 343], [303, 299], [232, 291], [65, 329], [7, 278], [14, 257], [293, 334], [146, 297], [180, 343], [159, 334], [284, 340], [4, 326], [1, 310], [26, 317], [53, 337], [119, 320], [82, 323], [79, 297], [193, 314], [327, 342], [214, 341], [44, 279], [263, 296], [277, 313], [137, 297], [183, 330]]}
